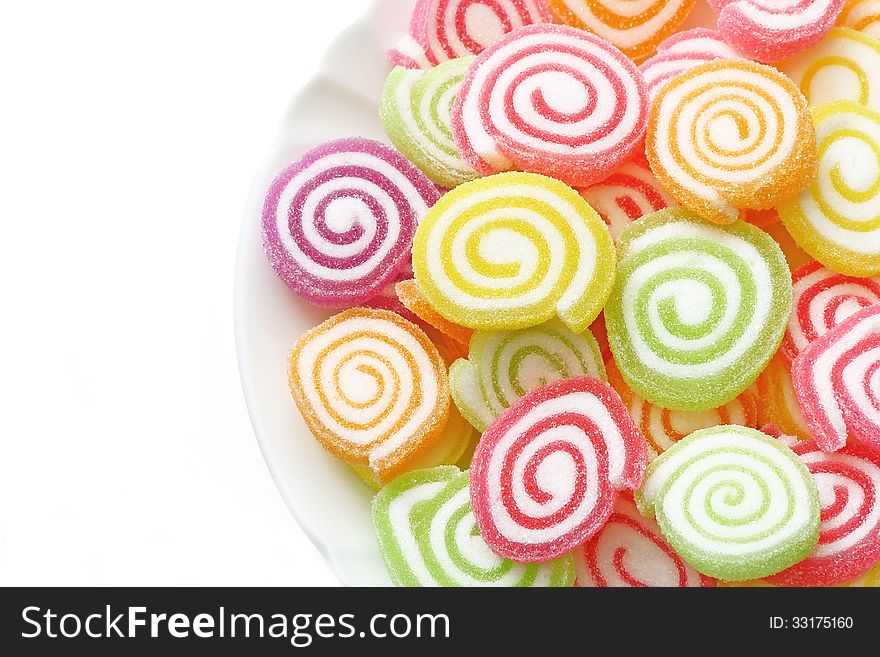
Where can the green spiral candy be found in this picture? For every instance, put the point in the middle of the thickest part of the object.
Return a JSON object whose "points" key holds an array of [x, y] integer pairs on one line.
{"points": [[428, 537], [735, 503], [503, 366], [415, 108], [698, 309]]}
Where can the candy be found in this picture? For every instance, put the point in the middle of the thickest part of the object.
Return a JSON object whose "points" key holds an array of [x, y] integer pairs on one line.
{"points": [[735, 503], [338, 224], [682, 52], [412, 298], [777, 402], [730, 135], [502, 366], [768, 31], [845, 65], [511, 251], [837, 219], [372, 389], [427, 535], [849, 534], [630, 551], [628, 194], [822, 300], [871, 579], [837, 382], [698, 309], [546, 473], [634, 27], [794, 254], [553, 100], [416, 110], [861, 15], [663, 427]]}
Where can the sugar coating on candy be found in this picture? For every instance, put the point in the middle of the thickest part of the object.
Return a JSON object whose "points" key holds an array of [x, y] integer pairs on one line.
{"points": [[628, 194], [635, 27], [735, 503], [503, 366], [871, 579], [338, 223], [730, 135], [849, 534], [428, 537], [837, 218], [777, 401], [547, 471], [794, 254], [845, 65], [416, 109], [861, 15], [512, 251], [412, 298], [837, 382], [682, 52], [822, 300], [698, 309], [554, 100], [372, 388], [663, 427], [629, 551], [771, 30]]}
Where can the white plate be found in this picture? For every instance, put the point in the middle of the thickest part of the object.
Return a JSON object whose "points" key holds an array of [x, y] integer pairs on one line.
{"points": [[330, 503]]}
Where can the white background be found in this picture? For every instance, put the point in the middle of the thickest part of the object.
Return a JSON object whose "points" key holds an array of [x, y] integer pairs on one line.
{"points": [[129, 137]]}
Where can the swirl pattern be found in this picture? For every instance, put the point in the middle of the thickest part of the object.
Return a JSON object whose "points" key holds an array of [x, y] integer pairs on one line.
{"points": [[698, 309], [503, 366], [511, 251], [338, 224], [372, 389], [730, 135], [837, 218], [733, 502], [682, 52], [837, 382], [416, 109], [546, 473], [630, 552], [636, 27], [849, 535], [553, 100], [861, 15]]}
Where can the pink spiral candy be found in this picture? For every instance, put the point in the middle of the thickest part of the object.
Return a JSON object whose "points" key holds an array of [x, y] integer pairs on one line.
{"points": [[837, 382], [849, 534], [546, 472], [682, 52], [338, 224], [770, 30], [553, 100], [822, 300], [630, 551]]}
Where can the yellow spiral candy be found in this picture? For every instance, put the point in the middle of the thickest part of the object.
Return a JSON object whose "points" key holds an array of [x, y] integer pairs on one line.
{"points": [[731, 135], [513, 250]]}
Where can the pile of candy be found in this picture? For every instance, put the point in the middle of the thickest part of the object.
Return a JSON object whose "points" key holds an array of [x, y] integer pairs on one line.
{"points": [[610, 307]]}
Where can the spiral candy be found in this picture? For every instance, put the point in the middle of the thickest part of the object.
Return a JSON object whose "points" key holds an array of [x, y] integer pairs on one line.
{"points": [[768, 31], [511, 251], [338, 224], [735, 503], [837, 219], [502, 366], [546, 473], [634, 27], [553, 100], [730, 135], [837, 381], [861, 15], [849, 535], [698, 309], [416, 109], [372, 389], [822, 300], [630, 551], [682, 52]]}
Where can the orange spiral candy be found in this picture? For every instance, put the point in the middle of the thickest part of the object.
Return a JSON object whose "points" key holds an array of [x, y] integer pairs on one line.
{"points": [[731, 135], [372, 388]]}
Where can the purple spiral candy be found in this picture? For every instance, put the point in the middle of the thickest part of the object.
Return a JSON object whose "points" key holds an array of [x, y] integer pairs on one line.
{"points": [[338, 224]]}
